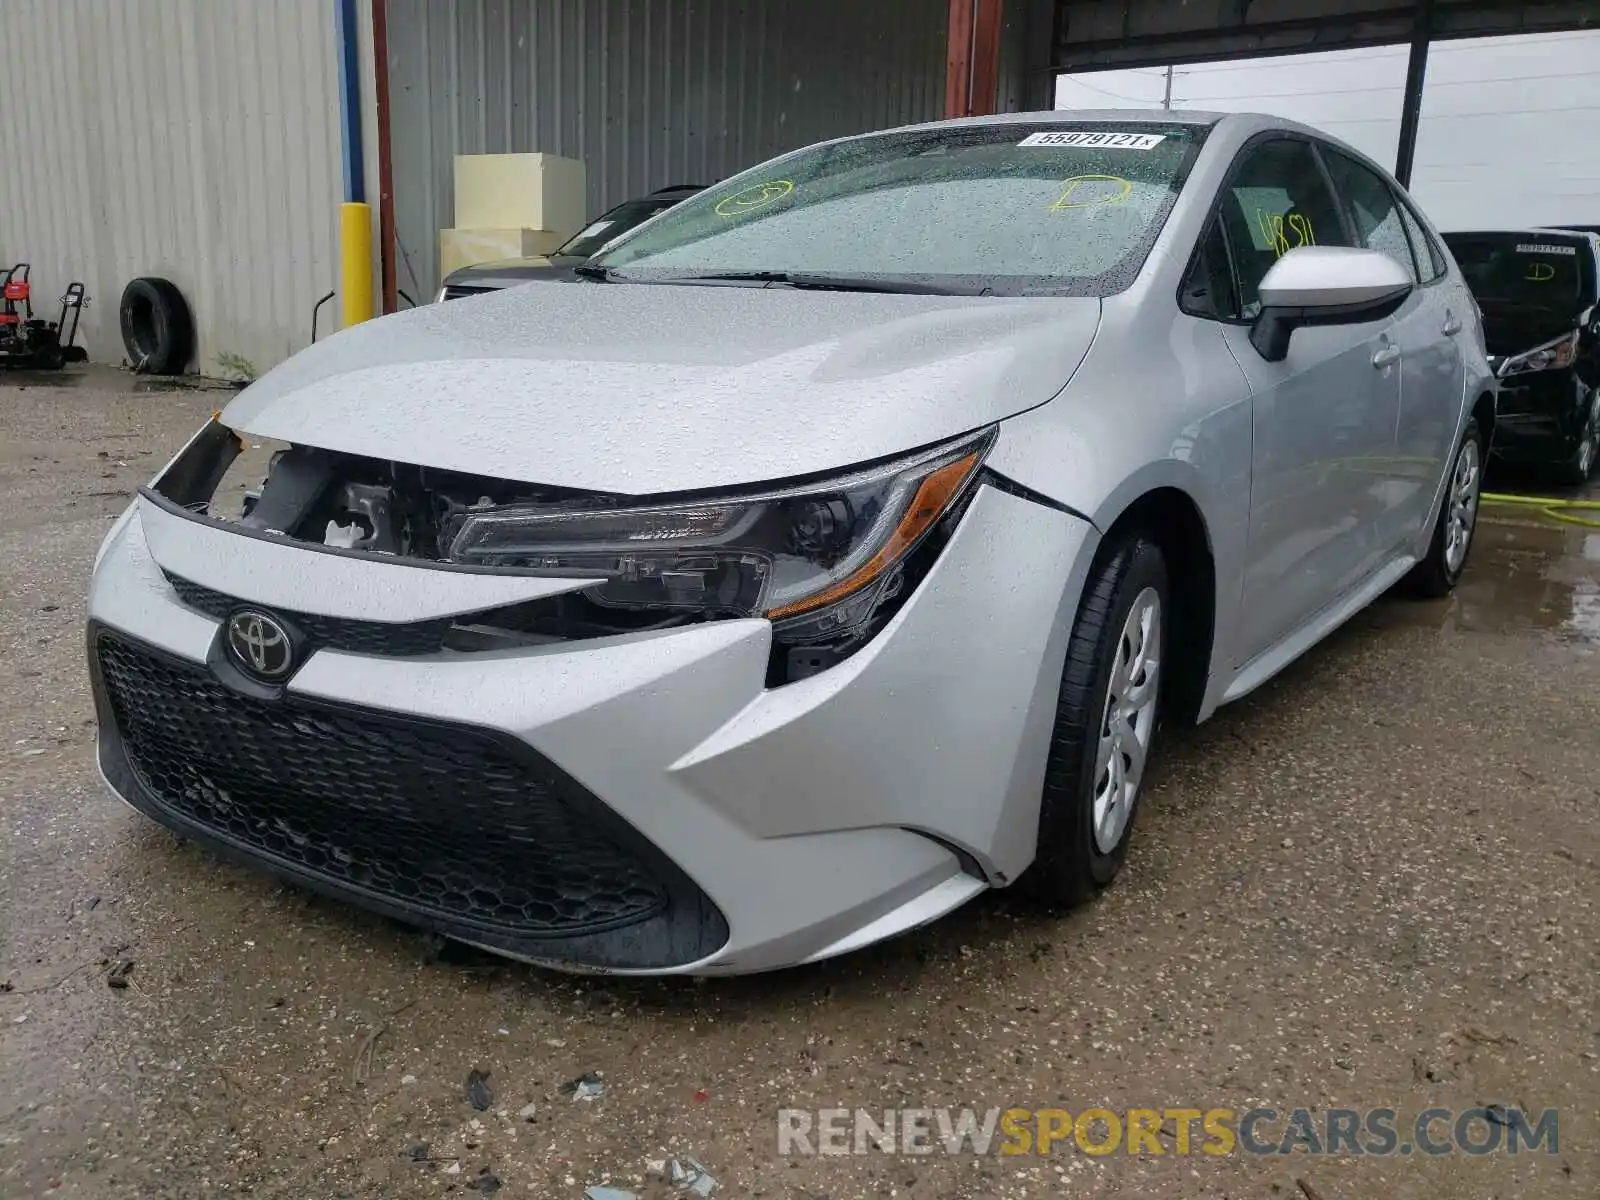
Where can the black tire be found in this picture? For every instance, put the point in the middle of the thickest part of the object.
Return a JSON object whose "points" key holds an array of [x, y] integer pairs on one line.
{"points": [[1433, 577], [1581, 463], [1069, 866], [157, 332]]}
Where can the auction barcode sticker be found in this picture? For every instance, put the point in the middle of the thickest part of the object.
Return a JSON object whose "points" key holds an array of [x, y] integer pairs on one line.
{"points": [[1541, 248], [1097, 141]]}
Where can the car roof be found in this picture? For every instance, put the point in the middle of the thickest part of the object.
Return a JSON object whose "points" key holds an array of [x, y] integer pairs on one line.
{"points": [[1069, 116], [1198, 118], [1240, 125]]}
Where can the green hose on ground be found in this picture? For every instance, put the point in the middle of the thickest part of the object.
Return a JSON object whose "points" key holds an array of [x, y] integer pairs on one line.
{"points": [[1555, 509]]}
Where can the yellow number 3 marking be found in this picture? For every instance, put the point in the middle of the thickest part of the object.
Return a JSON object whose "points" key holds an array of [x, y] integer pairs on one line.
{"points": [[753, 198], [1115, 194]]}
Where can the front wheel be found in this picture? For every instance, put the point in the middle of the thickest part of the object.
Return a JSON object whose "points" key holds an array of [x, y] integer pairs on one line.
{"points": [[1105, 726], [1581, 464], [1440, 570]]}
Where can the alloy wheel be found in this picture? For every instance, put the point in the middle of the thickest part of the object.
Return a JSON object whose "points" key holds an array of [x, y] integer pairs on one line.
{"points": [[1591, 433], [1463, 502], [1129, 722]]}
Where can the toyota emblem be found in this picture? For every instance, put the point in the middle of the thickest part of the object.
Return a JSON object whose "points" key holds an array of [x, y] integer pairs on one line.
{"points": [[260, 644]]}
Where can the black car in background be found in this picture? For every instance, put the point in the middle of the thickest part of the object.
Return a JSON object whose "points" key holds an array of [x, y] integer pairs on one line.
{"points": [[508, 272], [1539, 292]]}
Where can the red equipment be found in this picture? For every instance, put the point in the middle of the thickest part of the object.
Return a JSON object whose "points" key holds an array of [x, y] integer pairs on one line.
{"points": [[28, 341]]}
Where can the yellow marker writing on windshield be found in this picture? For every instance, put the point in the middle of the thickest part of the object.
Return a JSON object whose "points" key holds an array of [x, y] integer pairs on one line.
{"points": [[752, 198], [1540, 272], [1116, 194]]}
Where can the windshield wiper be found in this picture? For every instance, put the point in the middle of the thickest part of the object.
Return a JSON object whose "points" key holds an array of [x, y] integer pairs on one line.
{"points": [[814, 280], [598, 274]]}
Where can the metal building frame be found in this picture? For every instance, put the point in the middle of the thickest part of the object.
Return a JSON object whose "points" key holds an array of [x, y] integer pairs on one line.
{"points": [[1090, 35]]}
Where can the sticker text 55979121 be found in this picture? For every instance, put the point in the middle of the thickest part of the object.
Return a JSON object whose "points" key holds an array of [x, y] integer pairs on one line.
{"points": [[1092, 140]]}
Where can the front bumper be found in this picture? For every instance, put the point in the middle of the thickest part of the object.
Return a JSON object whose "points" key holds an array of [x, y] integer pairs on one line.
{"points": [[640, 803], [1540, 417]]}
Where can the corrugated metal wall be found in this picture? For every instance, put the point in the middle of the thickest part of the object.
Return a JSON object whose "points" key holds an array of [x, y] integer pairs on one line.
{"points": [[647, 92], [192, 139]]}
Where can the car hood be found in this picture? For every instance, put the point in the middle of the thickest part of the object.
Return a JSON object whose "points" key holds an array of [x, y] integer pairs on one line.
{"points": [[508, 272], [644, 388]]}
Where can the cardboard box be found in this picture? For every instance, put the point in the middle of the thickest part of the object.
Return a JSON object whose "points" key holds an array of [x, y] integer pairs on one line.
{"points": [[520, 191], [468, 247]]}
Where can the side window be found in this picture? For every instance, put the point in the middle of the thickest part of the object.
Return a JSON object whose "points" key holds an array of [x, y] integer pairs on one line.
{"points": [[1430, 259], [1208, 287], [1276, 200], [1374, 212]]}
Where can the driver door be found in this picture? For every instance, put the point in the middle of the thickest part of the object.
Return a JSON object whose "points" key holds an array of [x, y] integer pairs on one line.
{"points": [[1323, 420]]}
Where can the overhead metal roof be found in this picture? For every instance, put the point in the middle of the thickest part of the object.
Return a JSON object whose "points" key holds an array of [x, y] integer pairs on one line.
{"points": [[1098, 34]]}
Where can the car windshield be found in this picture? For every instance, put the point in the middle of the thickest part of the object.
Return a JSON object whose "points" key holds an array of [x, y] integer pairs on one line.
{"points": [[1533, 270], [615, 223], [1011, 208]]}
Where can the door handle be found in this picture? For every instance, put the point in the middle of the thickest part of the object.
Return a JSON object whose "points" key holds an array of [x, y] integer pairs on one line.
{"points": [[1452, 324], [1387, 355]]}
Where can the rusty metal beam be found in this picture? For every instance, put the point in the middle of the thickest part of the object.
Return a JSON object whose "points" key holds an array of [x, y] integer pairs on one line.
{"points": [[386, 233], [958, 59], [972, 61], [985, 59]]}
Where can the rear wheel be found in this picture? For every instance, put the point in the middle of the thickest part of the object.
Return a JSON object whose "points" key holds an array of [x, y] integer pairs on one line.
{"points": [[1440, 570], [1105, 728]]}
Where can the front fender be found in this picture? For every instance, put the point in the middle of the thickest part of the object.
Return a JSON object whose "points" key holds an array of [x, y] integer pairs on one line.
{"points": [[1087, 465]]}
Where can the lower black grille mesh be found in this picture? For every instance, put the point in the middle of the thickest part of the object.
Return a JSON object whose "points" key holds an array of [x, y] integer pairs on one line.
{"points": [[444, 820]]}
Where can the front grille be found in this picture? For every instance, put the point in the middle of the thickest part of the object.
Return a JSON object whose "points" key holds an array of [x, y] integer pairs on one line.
{"points": [[336, 633], [444, 821]]}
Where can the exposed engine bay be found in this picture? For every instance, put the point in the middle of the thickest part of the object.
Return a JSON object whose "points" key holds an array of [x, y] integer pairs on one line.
{"points": [[352, 503]]}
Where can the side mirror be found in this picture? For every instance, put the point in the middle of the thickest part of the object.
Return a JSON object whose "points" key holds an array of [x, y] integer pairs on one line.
{"points": [[1325, 285]]}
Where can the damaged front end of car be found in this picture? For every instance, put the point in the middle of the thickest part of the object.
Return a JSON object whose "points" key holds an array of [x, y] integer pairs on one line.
{"points": [[827, 560]]}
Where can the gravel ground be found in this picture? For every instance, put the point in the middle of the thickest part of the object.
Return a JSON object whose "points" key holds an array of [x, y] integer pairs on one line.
{"points": [[1373, 883]]}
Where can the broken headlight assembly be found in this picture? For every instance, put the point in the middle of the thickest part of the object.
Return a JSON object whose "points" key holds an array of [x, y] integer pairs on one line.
{"points": [[827, 561], [817, 559], [1552, 356]]}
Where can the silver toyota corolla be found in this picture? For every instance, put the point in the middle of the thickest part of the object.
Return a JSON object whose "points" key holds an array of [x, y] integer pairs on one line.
{"points": [[834, 553]]}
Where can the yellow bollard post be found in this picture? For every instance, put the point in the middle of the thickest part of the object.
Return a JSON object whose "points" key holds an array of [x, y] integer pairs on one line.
{"points": [[355, 256]]}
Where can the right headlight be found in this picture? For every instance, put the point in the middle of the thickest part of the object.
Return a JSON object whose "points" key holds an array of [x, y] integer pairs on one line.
{"points": [[816, 558], [1552, 356]]}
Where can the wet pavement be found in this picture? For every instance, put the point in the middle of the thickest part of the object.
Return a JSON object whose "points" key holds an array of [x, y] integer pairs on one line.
{"points": [[1373, 883]]}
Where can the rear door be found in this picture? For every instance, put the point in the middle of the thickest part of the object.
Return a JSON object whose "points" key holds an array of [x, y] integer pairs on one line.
{"points": [[1323, 419], [1425, 330], [1423, 434]]}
